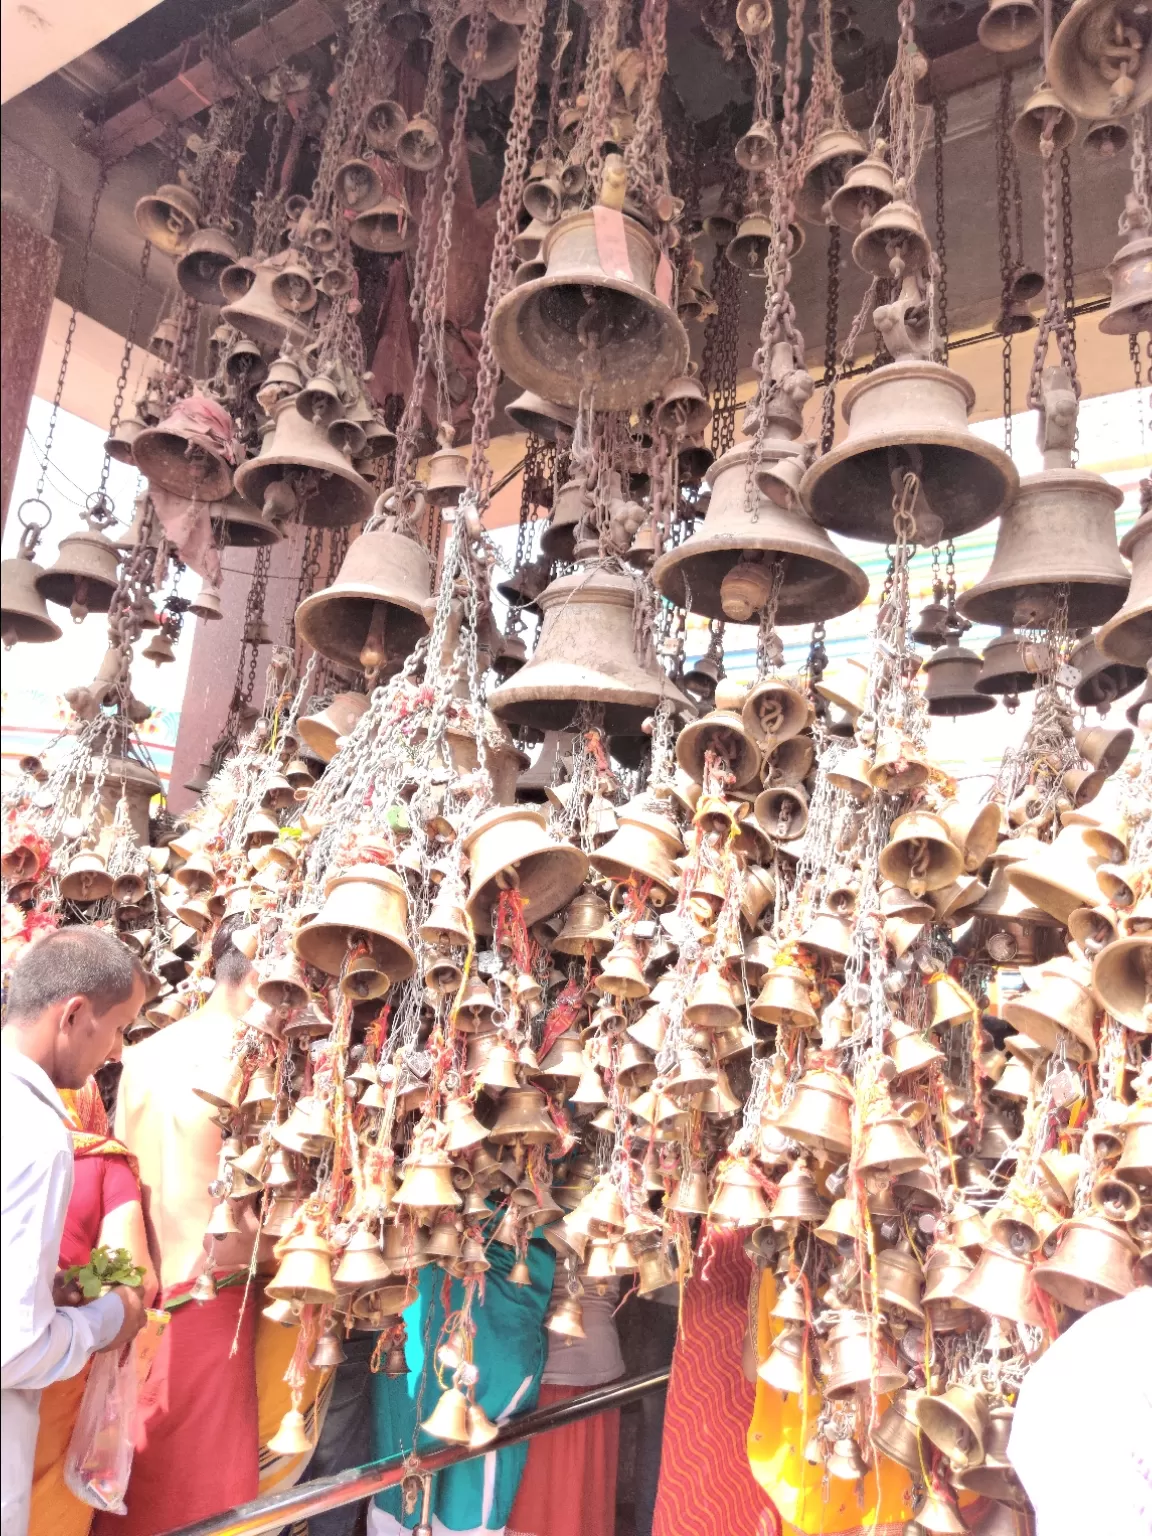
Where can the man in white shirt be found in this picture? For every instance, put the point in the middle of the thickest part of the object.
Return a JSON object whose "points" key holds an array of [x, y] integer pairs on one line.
{"points": [[70, 997], [1081, 1437]]}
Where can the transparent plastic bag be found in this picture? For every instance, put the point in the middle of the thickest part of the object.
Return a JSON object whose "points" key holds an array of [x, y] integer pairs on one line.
{"points": [[99, 1459]]}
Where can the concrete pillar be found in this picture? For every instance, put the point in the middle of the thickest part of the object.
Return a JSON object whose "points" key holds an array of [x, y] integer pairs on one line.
{"points": [[28, 276]]}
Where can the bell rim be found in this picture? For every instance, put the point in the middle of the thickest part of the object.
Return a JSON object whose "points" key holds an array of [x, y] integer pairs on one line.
{"points": [[1065, 54], [520, 366], [831, 571]]}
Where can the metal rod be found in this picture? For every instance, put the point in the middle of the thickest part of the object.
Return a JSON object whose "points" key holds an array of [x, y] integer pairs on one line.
{"points": [[362, 1482]]}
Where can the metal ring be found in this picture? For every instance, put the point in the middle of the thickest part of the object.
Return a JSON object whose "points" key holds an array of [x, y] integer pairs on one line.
{"points": [[33, 501]]}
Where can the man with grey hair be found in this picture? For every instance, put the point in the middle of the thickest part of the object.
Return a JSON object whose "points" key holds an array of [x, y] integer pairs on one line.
{"points": [[70, 997]]}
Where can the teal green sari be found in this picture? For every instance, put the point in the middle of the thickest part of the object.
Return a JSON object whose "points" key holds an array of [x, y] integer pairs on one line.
{"points": [[510, 1352]]}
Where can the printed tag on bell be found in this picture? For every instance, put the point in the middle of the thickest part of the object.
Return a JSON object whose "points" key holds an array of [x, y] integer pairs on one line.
{"points": [[611, 242], [664, 279], [1066, 676], [1065, 1088]]}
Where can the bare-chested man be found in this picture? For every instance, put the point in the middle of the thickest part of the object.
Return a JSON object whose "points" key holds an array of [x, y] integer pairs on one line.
{"points": [[197, 1446]]}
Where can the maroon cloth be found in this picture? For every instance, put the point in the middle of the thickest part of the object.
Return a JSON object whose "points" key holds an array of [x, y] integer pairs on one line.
{"points": [[197, 1436], [99, 1184], [569, 1482]]}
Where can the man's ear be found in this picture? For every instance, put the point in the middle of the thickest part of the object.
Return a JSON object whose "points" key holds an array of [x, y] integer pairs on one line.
{"points": [[71, 1010]]}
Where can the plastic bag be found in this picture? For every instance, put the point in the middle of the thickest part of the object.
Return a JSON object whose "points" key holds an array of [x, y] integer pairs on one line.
{"points": [[99, 1459]]}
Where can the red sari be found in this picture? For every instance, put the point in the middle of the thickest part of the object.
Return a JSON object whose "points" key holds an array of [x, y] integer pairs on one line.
{"points": [[706, 1484]]}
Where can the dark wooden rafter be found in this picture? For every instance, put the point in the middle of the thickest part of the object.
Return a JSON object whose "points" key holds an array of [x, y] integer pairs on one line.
{"points": [[182, 83]]}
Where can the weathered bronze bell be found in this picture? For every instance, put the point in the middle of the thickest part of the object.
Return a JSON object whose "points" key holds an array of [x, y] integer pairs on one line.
{"points": [[897, 1435], [1058, 535], [523, 1118], [951, 674], [236, 522], [322, 733], [23, 613], [797, 1197], [298, 473], [384, 121], [585, 922], [853, 1363], [919, 855], [363, 904], [755, 150], [1092, 1264], [498, 50], [1127, 636], [598, 319], [86, 878], [168, 218], [788, 1366], [510, 850], [1008, 25], [83, 576], [739, 530], [1098, 60], [785, 1000], [834, 152], [251, 308], [1043, 120], [374, 611], [908, 415], [531, 413], [1122, 981], [738, 1200], [1058, 1010], [887, 1146], [864, 191], [586, 654], [1059, 876], [198, 271]]}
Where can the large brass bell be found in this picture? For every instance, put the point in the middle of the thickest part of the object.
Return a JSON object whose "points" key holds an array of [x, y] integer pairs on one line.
{"points": [[852, 1362], [1011, 663], [1059, 876], [1058, 536], [817, 580], [251, 306], [1001, 1285], [919, 855], [957, 1423], [1127, 636], [1092, 1263], [1130, 309], [1043, 125], [358, 186], [1122, 981], [586, 654], [168, 218], [373, 611], [188, 452], [1099, 60], [298, 473], [530, 413], [510, 850], [1058, 1010], [198, 271], [364, 904], [1009, 25], [833, 154], [83, 576], [23, 613], [908, 415], [322, 732], [598, 320], [384, 226]]}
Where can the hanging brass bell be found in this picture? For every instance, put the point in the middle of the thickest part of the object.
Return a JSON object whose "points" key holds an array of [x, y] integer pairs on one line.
{"points": [[448, 1421], [427, 1184], [797, 1198], [298, 473], [1058, 1011], [1059, 876], [785, 999], [586, 922], [951, 674], [1043, 120], [938, 1515], [159, 649], [864, 191], [447, 472], [291, 1438], [1001, 1285], [384, 226], [531, 413], [83, 576], [1102, 682], [1009, 25], [362, 1265], [1098, 62], [1127, 636], [251, 305], [509, 850], [384, 121], [374, 611], [363, 904], [755, 150], [497, 53], [834, 152], [919, 855], [1092, 1264], [1122, 981], [957, 1423], [523, 1118], [586, 653], [897, 1435], [852, 1361], [751, 244], [23, 613], [787, 1366], [168, 218], [198, 271], [358, 186], [738, 1200], [236, 522], [305, 1272], [887, 1146], [895, 233], [597, 320], [86, 878]]}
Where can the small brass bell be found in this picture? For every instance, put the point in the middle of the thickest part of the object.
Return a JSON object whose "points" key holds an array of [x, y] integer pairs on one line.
{"points": [[84, 574], [448, 1421], [384, 122], [1009, 25], [24, 617], [864, 191], [291, 1439], [951, 674], [168, 218], [834, 152], [1043, 120], [206, 256], [419, 146], [375, 608], [498, 49]]}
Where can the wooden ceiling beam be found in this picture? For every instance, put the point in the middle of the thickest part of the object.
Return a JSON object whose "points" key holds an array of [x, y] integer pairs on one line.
{"points": [[183, 83]]}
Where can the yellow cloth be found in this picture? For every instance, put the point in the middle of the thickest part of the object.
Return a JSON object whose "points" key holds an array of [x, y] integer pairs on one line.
{"points": [[776, 1439], [275, 1346], [55, 1511]]}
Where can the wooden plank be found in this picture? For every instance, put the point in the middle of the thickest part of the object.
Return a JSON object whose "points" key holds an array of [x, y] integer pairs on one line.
{"points": [[183, 83], [969, 66]]}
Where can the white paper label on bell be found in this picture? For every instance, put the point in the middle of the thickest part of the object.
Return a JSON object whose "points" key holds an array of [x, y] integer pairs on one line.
{"points": [[664, 279], [1066, 676], [611, 243], [1065, 1088], [645, 929]]}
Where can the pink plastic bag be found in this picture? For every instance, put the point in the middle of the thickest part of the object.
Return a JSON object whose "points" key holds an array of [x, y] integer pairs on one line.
{"points": [[99, 1459]]}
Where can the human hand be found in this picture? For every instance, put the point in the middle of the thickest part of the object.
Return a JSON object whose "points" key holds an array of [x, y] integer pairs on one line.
{"points": [[135, 1315], [66, 1290]]}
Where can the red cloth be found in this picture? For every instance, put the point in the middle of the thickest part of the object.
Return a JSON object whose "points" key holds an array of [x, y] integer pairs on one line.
{"points": [[569, 1482], [197, 1437], [99, 1184], [706, 1484]]}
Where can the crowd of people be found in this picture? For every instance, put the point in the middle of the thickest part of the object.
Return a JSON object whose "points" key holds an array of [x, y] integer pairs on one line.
{"points": [[214, 1391]]}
